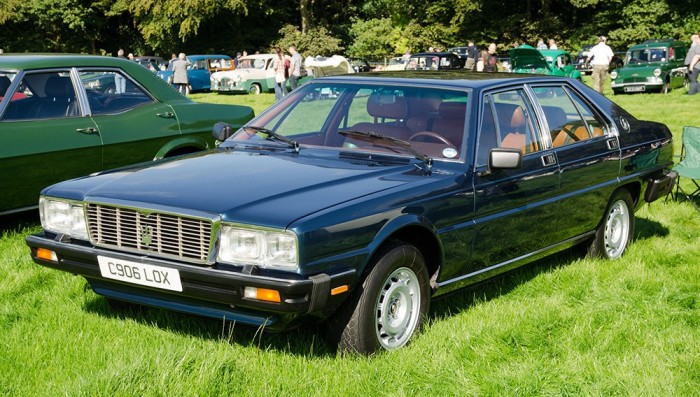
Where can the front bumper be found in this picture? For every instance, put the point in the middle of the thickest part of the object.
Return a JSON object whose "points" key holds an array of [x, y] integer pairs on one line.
{"points": [[206, 290], [638, 85]]}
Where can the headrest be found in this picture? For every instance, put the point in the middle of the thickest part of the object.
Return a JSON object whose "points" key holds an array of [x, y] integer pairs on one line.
{"points": [[518, 118], [556, 117], [452, 110], [387, 106], [509, 115], [4, 84], [57, 86]]}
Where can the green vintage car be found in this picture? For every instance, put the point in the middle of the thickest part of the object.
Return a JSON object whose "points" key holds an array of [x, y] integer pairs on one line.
{"points": [[527, 59], [654, 65], [64, 116]]}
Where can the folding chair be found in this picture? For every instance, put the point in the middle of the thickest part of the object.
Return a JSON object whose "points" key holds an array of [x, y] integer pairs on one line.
{"points": [[689, 164]]}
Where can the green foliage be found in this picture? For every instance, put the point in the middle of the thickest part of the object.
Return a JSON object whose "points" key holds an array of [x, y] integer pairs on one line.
{"points": [[372, 39], [317, 41]]}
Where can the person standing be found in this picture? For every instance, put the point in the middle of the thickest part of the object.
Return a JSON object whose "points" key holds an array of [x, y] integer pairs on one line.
{"points": [[119, 80], [693, 65], [552, 44], [472, 56], [599, 57], [295, 67], [180, 73], [280, 71]]}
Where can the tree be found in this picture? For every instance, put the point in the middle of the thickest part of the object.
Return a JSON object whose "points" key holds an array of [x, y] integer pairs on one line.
{"points": [[317, 41]]}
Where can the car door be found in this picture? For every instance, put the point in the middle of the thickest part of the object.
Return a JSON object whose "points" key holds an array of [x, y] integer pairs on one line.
{"points": [[44, 137], [133, 125], [588, 155], [515, 209]]}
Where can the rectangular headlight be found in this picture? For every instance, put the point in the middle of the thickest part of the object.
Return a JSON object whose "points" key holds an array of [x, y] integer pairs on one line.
{"points": [[261, 247], [64, 217]]}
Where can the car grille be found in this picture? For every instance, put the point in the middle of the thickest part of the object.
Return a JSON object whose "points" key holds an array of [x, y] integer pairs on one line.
{"points": [[166, 235]]}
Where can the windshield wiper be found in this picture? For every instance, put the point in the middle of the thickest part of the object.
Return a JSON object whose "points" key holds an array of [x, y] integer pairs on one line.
{"points": [[271, 134], [373, 136]]}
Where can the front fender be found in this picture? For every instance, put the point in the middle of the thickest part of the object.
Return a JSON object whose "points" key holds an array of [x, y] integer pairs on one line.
{"points": [[181, 145]]}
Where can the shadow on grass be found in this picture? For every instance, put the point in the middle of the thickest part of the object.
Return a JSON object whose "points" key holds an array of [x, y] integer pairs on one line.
{"points": [[15, 223]]}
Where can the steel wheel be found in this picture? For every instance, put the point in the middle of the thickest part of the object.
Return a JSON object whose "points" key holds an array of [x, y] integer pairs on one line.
{"points": [[617, 228], [397, 308], [254, 89]]}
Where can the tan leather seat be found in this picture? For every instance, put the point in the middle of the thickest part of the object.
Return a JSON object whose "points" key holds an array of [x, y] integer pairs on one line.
{"points": [[389, 112]]}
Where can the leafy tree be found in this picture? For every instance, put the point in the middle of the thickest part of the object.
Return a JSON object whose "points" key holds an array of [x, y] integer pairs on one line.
{"points": [[317, 41]]}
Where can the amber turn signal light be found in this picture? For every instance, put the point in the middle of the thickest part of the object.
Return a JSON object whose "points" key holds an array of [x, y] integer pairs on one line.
{"points": [[47, 255]]}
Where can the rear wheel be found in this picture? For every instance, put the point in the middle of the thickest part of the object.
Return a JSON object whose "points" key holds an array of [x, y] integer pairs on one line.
{"points": [[615, 231], [388, 308]]}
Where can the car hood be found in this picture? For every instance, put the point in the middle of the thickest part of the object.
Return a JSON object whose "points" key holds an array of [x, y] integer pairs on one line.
{"points": [[263, 189], [638, 70], [527, 58]]}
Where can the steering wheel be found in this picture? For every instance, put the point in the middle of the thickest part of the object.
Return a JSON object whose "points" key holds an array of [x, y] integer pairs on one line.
{"points": [[431, 135]]}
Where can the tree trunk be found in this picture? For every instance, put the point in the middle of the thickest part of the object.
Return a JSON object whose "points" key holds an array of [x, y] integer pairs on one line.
{"points": [[305, 8]]}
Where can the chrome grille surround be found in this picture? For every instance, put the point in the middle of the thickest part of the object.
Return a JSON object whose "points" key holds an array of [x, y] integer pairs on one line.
{"points": [[154, 233]]}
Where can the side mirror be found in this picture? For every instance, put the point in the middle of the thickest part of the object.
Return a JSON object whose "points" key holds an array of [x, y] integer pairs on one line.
{"points": [[221, 131], [505, 159]]}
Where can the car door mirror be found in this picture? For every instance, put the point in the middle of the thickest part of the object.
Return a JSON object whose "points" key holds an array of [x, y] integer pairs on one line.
{"points": [[505, 159], [221, 131]]}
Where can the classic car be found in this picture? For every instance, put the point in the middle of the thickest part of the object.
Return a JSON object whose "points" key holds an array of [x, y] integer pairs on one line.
{"points": [[396, 63], [360, 207], [200, 70], [434, 61], [63, 116], [654, 65], [583, 64], [462, 53], [527, 59], [359, 65], [255, 73], [152, 63]]}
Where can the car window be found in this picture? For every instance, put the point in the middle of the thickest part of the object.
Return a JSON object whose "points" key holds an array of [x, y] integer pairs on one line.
{"points": [[487, 132], [110, 91], [43, 95], [431, 120], [569, 119], [514, 121]]}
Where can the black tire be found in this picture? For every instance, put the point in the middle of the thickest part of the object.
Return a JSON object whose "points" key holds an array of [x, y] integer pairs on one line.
{"points": [[388, 307], [616, 229]]}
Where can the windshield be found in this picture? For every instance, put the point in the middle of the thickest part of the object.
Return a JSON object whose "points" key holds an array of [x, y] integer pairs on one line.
{"points": [[251, 64], [646, 55], [366, 118]]}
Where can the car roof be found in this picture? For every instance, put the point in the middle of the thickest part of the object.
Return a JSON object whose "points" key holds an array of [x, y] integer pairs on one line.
{"points": [[258, 56], [435, 54], [442, 79], [38, 61], [208, 56]]}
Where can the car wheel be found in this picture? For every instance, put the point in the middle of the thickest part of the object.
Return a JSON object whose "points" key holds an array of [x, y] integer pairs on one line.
{"points": [[254, 89], [615, 231], [388, 308]]}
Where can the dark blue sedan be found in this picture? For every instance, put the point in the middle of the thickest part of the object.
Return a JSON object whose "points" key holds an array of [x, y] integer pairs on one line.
{"points": [[357, 199]]}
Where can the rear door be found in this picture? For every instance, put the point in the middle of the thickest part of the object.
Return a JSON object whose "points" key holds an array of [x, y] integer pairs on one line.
{"points": [[516, 210], [132, 124], [588, 154]]}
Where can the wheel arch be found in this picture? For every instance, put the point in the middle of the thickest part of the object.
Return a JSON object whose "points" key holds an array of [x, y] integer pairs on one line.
{"points": [[181, 145]]}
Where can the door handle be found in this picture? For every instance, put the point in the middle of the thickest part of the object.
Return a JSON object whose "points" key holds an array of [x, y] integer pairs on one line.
{"points": [[548, 159], [88, 131], [167, 115]]}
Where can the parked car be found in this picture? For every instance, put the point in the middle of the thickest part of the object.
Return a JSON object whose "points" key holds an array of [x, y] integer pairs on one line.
{"points": [[200, 71], [434, 61], [152, 63], [583, 64], [527, 59], [360, 207], [63, 116], [396, 63], [461, 53], [654, 65], [256, 74], [360, 65]]}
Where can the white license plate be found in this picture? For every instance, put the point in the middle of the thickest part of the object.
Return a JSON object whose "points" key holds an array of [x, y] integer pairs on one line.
{"points": [[634, 88], [140, 273]]}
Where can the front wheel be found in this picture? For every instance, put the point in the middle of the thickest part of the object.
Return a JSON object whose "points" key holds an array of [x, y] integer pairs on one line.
{"points": [[615, 231], [254, 89], [390, 305]]}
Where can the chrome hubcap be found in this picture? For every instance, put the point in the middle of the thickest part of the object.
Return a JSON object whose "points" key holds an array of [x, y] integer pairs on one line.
{"points": [[397, 308], [617, 228]]}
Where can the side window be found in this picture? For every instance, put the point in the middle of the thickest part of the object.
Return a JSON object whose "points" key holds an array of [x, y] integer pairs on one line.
{"points": [[514, 123], [110, 91], [45, 95], [569, 119]]}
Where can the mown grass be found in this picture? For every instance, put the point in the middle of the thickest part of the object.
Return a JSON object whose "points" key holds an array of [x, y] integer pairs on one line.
{"points": [[566, 325]]}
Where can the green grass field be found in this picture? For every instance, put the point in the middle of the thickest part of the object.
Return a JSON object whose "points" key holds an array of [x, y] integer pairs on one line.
{"points": [[566, 325]]}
